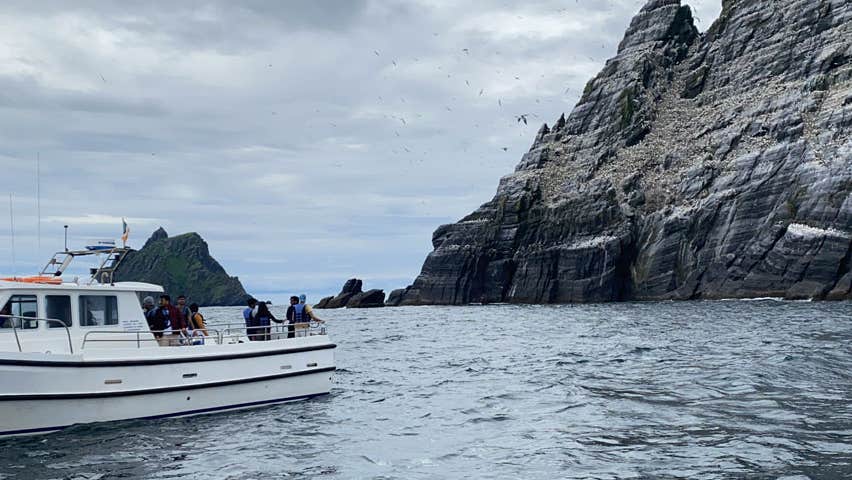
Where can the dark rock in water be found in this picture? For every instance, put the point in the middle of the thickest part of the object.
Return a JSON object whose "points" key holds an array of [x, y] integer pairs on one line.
{"points": [[324, 302], [351, 288], [351, 296], [395, 297], [369, 299], [340, 301], [182, 265], [353, 285], [694, 166]]}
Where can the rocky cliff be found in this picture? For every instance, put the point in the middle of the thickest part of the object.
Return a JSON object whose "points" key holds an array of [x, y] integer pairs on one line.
{"points": [[182, 265], [694, 166]]}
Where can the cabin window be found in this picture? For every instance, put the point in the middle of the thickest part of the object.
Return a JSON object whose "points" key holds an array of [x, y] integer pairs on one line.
{"points": [[20, 306], [98, 310], [58, 308]]}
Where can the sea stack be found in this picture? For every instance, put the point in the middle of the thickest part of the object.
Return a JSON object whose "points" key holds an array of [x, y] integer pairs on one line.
{"points": [[351, 296], [695, 166], [182, 265]]}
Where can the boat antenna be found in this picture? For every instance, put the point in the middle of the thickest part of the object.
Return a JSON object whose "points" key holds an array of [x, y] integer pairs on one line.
{"points": [[38, 197], [66, 238], [12, 232]]}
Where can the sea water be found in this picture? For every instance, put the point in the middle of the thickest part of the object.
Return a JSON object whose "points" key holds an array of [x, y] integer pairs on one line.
{"points": [[725, 389]]}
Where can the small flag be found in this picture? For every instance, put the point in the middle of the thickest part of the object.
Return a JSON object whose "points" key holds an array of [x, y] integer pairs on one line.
{"points": [[125, 233]]}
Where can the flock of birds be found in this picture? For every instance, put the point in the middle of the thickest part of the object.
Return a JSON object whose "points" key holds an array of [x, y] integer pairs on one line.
{"points": [[466, 52], [518, 118]]}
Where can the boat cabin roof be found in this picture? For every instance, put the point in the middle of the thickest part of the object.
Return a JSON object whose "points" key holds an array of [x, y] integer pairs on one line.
{"points": [[99, 287]]}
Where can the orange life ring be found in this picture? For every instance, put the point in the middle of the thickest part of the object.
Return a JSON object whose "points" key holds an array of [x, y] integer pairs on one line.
{"points": [[48, 279]]}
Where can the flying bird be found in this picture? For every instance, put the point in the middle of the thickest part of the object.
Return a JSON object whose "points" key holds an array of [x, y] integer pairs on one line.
{"points": [[505, 149], [522, 118]]}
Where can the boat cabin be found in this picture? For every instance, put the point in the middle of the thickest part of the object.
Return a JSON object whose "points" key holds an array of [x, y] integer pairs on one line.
{"points": [[62, 317]]}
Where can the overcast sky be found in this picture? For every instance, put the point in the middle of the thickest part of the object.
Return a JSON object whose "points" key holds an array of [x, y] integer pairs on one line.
{"points": [[306, 141]]}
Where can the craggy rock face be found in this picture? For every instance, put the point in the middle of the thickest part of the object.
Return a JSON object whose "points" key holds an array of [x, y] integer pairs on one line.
{"points": [[182, 265], [694, 166]]}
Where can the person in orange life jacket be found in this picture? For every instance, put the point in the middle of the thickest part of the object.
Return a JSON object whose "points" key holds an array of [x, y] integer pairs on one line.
{"points": [[262, 317], [169, 319], [297, 317], [196, 321]]}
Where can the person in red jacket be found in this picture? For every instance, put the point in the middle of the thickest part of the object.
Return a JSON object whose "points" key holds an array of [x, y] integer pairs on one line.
{"points": [[171, 320]]}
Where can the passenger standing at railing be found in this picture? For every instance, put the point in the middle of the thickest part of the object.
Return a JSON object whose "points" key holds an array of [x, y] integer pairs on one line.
{"points": [[148, 310], [170, 319], [249, 318], [184, 310], [298, 319], [309, 310], [160, 323], [196, 321], [262, 318]]}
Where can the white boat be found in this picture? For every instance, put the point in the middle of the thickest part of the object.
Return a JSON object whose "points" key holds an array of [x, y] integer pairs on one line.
{"points": [[75, 352]]}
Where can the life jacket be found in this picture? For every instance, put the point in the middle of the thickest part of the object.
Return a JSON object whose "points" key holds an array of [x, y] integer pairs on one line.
{"points": [[300, 315], [196, 324], [163, 320]]}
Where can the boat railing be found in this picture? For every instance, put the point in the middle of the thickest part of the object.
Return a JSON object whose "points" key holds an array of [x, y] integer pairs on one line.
{"points": [[219, 333], [148, 336], [48, 321], [238, 331]]}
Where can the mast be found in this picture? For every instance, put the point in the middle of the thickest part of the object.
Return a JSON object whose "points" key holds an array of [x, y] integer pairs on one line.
{"points": [[38, 199], [12, 232]]}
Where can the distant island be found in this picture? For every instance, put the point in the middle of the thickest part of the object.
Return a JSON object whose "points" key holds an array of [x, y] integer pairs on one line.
{"points": [[695, 166], [182, 265]]}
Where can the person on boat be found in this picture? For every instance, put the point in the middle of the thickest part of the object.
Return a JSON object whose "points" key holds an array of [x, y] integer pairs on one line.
{"points": [[183, 309], [262, 320], [170, 321], [160, 323], [297, 318], [309, 310], [251, 303], [149, 310], [196, 321]]}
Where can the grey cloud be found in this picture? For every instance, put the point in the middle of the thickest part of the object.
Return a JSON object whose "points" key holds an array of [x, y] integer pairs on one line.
{"points": [[226, 26], [24, 92]]}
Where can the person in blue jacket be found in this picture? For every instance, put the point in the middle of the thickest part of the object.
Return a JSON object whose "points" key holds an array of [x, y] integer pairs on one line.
{"points": [[297, 317], [251, 325], [262, 318]]}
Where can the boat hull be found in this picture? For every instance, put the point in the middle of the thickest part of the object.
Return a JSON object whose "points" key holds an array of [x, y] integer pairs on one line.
{"points": [[42, 396]]}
